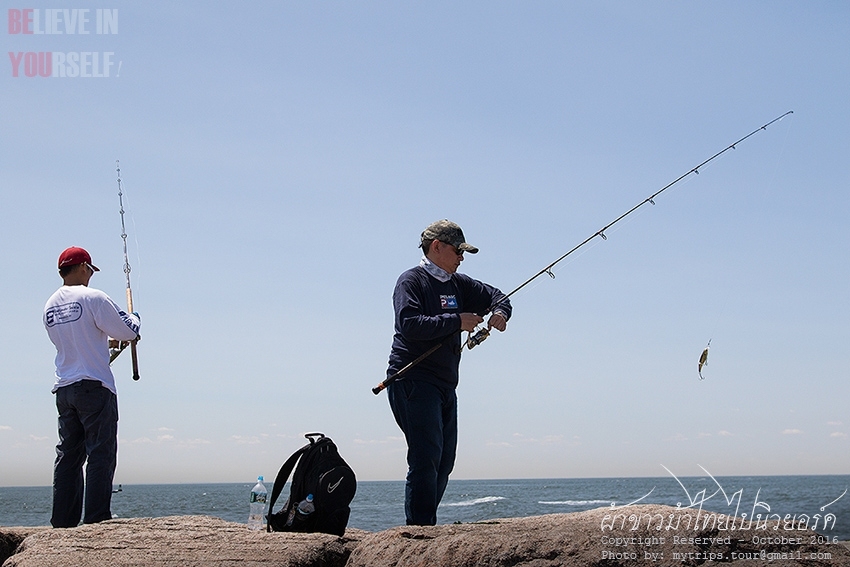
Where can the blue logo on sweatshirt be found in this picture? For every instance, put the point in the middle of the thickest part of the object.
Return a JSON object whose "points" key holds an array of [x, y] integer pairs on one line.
{"points": [[448, 302], [59, 314]]}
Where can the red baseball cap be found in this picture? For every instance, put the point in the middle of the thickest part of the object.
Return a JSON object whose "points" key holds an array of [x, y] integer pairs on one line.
{"points": [[76, 255]]}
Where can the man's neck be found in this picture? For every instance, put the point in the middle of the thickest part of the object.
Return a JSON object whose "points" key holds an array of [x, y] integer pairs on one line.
{"points": [[435, 270], [74, 279]]}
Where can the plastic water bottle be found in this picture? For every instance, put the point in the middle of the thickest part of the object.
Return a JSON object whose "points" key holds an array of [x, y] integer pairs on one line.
{"points": [[257, 513], [306, 507]]}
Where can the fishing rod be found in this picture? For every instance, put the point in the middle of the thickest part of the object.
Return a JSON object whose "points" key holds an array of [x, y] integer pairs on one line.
{"points": [[479, 336], [133, 354]]}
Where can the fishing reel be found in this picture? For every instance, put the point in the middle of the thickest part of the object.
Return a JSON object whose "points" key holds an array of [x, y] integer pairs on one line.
{"points": [[477, 338], [116, 347]]}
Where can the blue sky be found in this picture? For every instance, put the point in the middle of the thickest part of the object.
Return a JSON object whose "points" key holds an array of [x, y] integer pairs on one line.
{"points": [[280, 159]]}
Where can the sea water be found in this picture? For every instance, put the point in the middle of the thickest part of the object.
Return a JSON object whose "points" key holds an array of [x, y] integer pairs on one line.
{"points": [[380, 504]]}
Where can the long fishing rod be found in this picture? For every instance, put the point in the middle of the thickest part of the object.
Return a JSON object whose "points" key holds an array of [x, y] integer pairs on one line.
{"points": [[134, 355], [479, 337]]}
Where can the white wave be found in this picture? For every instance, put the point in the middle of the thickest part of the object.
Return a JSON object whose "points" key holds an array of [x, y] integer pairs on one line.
{"points": [[475, 501], [573, 502]]}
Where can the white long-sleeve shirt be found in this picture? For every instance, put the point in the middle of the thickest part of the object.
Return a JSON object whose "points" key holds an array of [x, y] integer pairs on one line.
{"points": [[79, 321]]}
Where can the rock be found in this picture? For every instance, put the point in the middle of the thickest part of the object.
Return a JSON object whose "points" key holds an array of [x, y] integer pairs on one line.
{"points": [[11, 538], [186, 541], [596, 537], [631, 536]]}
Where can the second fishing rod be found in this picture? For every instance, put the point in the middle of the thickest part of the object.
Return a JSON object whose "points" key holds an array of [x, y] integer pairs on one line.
{"points": [[477, 337], [119, 348]]}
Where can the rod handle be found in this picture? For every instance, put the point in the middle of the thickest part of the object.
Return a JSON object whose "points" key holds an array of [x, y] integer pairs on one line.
{"points": [[135, 358]]}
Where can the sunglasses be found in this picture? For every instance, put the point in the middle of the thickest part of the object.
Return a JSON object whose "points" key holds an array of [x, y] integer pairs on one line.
{"points": [[455, 248]]}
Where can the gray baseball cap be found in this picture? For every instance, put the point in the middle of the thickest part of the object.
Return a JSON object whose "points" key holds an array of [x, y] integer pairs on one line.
{"points": [[448, 232]]}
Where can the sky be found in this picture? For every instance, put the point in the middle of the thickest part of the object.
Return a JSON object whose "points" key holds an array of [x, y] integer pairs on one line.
{"points": [[280, 159]]}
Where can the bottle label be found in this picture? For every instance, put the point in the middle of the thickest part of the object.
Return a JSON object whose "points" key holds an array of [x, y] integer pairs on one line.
{"points": [[258, 498]]}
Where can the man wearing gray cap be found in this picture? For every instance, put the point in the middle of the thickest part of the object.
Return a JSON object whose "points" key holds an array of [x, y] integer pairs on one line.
{"points": [[433, 304]]}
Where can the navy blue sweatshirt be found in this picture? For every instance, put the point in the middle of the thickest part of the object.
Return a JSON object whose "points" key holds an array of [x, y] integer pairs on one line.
{"points": [[427, 312]]}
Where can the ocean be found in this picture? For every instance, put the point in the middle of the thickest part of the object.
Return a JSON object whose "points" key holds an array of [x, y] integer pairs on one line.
{"points": [[380, 504]]}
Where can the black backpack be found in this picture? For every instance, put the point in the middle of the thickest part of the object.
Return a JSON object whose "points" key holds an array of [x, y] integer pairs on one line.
{"points": [[322, 473]]}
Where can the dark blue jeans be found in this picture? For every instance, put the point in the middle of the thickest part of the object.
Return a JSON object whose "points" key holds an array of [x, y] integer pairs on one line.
{"points": [[427, 414], [88, 430]]}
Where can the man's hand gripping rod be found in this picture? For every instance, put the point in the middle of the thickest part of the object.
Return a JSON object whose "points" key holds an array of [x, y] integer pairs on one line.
{"points": [[479, 337]]}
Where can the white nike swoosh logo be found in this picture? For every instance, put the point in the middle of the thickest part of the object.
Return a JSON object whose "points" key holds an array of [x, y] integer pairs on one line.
{"points": [[332, 487]]}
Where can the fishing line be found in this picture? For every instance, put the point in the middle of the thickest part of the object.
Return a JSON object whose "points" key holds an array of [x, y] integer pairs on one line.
{"points": [[138, 288], [779, 158], [720, 314], [479, 336]]}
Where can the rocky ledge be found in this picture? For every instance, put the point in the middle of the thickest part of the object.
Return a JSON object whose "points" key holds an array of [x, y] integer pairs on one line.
{"points": [[637, 535]]}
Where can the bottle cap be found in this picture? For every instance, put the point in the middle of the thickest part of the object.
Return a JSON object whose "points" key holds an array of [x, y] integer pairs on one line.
{"points": [[260, 478]]}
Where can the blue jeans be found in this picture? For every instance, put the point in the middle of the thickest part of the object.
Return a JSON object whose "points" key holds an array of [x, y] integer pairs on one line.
{"points": [[88, 430], [427, 414]]}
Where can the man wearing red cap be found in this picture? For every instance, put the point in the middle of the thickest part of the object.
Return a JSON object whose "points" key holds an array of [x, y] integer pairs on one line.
{"points": [[79, 321]]}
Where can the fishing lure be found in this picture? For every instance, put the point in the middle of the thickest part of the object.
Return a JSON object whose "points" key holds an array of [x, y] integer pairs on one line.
{"points": [[703, 360]]}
